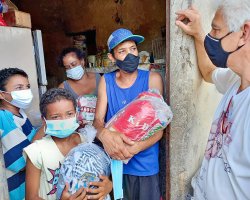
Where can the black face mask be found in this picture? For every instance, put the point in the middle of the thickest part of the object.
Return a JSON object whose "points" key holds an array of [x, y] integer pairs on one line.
{"points": [[215, 51], [129, 64]]}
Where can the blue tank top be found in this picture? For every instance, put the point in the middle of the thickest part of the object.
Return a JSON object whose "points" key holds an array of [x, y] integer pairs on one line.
{"points": [[146, 162]]}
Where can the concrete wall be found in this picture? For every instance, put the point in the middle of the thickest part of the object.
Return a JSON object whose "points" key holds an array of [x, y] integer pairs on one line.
{"points": [[144, 17], [193, 102]]}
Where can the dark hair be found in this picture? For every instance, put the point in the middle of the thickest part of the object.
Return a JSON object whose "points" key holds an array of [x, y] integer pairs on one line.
{"points": [[112, 52], [7, 73], [53, 95], [80, 54]]}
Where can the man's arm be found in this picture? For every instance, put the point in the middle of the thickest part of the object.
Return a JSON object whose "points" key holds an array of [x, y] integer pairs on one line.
{"points": [[113, 142], [194, 28], [142, 145]]}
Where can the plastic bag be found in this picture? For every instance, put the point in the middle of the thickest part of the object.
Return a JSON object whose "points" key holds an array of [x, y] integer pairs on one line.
{"points": [[86, 105], [2, 22], [3, 9], [141, 118], [84, 164], [3, 6]]}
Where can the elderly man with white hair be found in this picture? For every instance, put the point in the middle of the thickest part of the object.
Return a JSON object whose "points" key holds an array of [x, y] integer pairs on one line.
{"points": [[225, 62]]}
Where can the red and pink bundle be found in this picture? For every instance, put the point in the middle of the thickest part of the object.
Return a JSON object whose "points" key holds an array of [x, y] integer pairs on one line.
{"points": [[143, 117]]}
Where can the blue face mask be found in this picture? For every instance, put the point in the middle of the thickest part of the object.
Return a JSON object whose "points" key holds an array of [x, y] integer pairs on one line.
{"points": [[61, 128], [129, 64], [215, 51]]}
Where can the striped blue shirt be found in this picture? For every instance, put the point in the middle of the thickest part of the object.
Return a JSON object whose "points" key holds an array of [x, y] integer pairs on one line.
{"points": [[17, 133]]}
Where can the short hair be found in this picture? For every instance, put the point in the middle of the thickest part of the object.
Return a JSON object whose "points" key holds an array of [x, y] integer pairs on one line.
{"points": [[235, 12], [53, 95], [7, 73], [79, 54]]}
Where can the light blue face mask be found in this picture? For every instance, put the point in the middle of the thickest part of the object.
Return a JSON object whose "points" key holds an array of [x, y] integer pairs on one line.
{"points": [[61, 128], [75, 73], [117, 171]]}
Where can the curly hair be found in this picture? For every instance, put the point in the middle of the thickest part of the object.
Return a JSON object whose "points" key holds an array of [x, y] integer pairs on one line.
{"points": [[79, 54], [7, 73], [53, 95]]}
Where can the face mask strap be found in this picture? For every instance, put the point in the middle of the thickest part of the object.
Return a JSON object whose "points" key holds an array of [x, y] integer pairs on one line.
{"points": [[216, 39], [238, 48], [5, 92], [235, 49], [4, 98], [226, 35]]}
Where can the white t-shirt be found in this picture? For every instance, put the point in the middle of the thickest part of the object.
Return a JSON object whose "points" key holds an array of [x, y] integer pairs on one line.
{"points": [[225, 170], [45, 155]]}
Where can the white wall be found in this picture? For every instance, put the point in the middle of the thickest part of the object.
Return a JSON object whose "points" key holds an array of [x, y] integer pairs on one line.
{"points": [[193, 102]]}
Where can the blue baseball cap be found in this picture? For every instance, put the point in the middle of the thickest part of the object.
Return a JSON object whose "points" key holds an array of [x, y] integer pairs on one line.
{"points": [[120, 35]]}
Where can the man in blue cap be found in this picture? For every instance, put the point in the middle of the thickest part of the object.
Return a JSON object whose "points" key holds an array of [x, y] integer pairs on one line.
{"points": [[116, 90]]}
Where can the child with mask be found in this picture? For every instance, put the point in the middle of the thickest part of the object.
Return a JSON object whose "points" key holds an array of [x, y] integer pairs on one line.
{"points": [[44, 157], [16, 131]]}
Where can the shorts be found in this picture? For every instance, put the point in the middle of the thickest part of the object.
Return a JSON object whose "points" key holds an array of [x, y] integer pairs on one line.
{"points": [[141, 187]]}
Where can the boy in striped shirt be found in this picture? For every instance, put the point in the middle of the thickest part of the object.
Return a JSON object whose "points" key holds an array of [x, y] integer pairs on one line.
{"points": [[15, 128]]}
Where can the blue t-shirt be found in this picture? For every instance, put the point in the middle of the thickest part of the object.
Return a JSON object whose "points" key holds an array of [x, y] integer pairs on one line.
{"points": [[146, 162], [16, 132]]}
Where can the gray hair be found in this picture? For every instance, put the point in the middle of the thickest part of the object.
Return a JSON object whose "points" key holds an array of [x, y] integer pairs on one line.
{"points": [[235, 12]]}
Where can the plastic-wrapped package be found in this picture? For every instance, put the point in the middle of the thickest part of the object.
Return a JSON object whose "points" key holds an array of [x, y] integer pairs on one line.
{"points": [[3, 6], [141, 118], [3, 9], [86, 105], [84, 164]]}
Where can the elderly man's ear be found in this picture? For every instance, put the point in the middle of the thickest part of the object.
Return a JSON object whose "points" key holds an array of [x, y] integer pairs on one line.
{"points": [[245, 34]]}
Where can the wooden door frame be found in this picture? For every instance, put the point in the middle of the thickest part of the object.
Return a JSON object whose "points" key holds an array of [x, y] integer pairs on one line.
{"points": [[167, 88]]}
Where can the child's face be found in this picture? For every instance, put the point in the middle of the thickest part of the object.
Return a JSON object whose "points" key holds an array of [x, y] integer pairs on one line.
{"points": [[60, 110], [16, 82]]}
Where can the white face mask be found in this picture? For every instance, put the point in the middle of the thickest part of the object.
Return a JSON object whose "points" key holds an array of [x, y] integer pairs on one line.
{"points": [[21, 98], [75, 73]]}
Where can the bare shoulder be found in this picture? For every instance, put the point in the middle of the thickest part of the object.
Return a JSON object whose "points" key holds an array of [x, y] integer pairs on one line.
{"points": [[102, 83], [61, 85], [91, 75], [155, 81], [154, 76]]}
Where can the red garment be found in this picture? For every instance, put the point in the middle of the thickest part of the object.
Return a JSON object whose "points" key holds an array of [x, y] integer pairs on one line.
{"points": [[2, 22], [137, 120]]}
